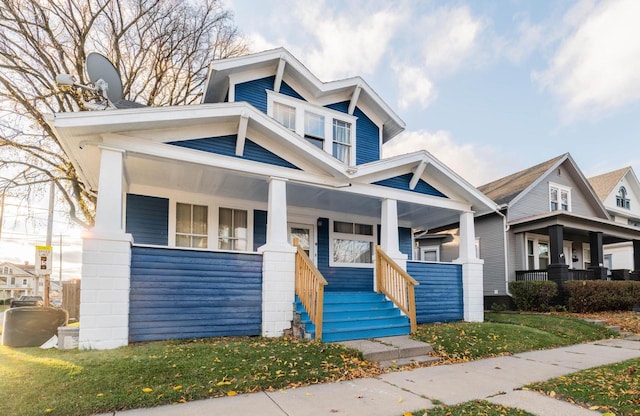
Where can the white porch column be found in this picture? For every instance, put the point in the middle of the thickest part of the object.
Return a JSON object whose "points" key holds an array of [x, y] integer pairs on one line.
{"points": [[106, 260], [389, 241], [278, 265], [472, 273]]}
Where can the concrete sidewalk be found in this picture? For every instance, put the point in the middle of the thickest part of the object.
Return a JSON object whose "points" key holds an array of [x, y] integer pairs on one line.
{"points": [[493, 379]]}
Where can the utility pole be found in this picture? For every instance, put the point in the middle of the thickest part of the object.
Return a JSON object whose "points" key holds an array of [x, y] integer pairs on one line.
{"points": [[47, 277], [2, 214]]}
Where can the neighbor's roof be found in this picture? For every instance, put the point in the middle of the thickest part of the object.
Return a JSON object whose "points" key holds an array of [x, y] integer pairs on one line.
{"points": [[504, 190], [604, 184]]}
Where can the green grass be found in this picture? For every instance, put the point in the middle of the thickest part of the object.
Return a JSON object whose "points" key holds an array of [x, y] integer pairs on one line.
{"points": [[145, 375], [473, 408], [507, 334], [612, 388]]}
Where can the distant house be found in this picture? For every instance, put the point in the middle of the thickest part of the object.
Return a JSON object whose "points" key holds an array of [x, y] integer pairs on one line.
{"points": [[551, 225], [198, 206], [619, 191], [17, 280]]}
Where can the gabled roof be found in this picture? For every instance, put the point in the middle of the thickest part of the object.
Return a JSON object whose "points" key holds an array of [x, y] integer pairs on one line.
{"points": [[604, 184], [217, 84], [505, 190]]}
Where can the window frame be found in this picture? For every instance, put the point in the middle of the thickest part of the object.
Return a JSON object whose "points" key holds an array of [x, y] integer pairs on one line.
{"points": [[536, 241], [333, 235], [302, 107], [622, 198], [559, 188], [247, 238], [191, 235]]}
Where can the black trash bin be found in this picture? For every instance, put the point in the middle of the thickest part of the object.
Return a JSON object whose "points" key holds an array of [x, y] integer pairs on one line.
{"points": [[31, 326]]}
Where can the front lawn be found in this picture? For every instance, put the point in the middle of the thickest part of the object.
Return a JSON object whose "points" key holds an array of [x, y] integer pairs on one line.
{"points": [[472, 408], [506, 333], [611, 388], [144, 375]]}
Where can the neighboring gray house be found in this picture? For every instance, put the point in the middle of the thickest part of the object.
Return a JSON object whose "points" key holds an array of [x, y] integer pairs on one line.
{"points": [[551, 225], [619, 192]]}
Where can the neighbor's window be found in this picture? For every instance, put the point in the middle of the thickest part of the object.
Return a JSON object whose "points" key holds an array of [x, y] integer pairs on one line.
{"points": [[559, 198], [191, 225], [285, 114], [622, 200], [352, 243], [341, 140], [232, 229], [24, 282], [314, 129]]}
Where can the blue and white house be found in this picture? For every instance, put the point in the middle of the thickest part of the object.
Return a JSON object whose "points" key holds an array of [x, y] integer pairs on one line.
{"points": [[198, 207]]}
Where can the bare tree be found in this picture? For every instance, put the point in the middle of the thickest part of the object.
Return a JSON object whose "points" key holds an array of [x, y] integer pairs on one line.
{"points": [[162, 49]]}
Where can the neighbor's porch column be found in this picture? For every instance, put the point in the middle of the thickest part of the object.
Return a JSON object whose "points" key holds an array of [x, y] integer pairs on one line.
{"points": [[389, 240], [597, 255], [278, 265], [472, 277], [558, 270], [635, 275], [106, 261]]}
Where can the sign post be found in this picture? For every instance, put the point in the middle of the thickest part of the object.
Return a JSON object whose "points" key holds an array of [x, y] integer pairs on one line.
{"points": [[43, 268]]}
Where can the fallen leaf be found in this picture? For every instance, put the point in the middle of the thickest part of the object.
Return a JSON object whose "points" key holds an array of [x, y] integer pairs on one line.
{"points": [[552, 393], [48, 410], [400, 399], [177, 388], [594, 408], [231, 393], [308, 394], [99, 395], [407, 414], [147, 390]]}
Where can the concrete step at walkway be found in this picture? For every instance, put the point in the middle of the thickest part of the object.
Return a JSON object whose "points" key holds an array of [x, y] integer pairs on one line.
{"points": [[390, 351]]}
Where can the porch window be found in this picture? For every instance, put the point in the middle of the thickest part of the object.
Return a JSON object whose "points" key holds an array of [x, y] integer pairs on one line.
{"points": [[352, 243], [537, 254], [341, 140], [621, 199], [285, 114], [191, 225], [559, 198], [314, 129], [232, 229]]}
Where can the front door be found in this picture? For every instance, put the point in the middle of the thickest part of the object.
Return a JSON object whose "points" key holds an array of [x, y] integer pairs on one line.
{"points": [[306, 238]]}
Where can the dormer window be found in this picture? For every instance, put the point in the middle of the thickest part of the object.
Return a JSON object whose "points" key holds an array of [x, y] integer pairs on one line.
{"points": [[330, 130], [559, 198], [621, 199]]}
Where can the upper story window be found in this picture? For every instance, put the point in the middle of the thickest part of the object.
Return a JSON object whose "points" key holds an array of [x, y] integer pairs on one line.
{"points": [[191, 225], [621, 199], [327, 129], [559, 197]]}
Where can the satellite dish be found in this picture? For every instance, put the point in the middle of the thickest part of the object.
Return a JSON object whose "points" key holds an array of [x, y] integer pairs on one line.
{"points": [[101, 71]]}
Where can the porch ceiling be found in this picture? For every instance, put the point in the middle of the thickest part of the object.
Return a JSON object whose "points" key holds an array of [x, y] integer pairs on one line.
{"points": [[143, 172], [577, 227]]}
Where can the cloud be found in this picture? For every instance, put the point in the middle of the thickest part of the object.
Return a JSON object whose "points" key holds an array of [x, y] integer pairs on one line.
{"points": [[347, 44], [450, 36], [476, 165], [414, 86], [596, 68]]}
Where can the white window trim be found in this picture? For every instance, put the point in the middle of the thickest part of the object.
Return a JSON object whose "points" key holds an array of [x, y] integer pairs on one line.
{"points": [[356, 237], [329, 115], [249, 238], [560, 188], [537, 239], [424, 249]]}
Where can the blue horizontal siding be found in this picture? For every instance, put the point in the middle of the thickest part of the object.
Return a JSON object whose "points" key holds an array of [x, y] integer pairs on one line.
{"points": [[340, 279], [255, 92], [226, 145], [147, 219], [402, 183], [439, 295], [193, 294]]}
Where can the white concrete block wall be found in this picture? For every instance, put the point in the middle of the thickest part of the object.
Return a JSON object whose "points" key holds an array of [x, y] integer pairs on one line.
{"points": [[278, 290], [472, 290], [104, 297]]}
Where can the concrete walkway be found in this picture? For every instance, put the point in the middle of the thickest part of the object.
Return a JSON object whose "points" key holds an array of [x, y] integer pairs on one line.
{"points": [[495, 379]]}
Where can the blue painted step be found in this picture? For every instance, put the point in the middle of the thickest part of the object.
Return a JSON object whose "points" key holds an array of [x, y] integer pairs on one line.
{"points": [[356, 315]]}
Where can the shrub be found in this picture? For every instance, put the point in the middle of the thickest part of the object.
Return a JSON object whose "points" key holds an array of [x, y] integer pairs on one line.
{"points": [[602, 295], [533, 296]]}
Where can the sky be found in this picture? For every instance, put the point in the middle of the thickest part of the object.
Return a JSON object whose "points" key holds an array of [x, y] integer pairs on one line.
{"points": [[489, 87]]}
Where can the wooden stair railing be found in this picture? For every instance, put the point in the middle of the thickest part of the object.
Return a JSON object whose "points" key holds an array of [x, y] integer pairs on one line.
{"points": [[310, 288], [397, 285]]}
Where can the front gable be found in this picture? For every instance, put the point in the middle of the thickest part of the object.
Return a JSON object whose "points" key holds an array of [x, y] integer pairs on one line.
{"points": [[624, 198], [403, 182], [564, 180]]}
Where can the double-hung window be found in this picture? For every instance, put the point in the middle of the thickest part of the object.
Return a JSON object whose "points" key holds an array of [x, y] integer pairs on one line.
{"points": [[559, 198], [341, 140], [191, 225], [537, 254], [232, 229], [314, 128], [286, 115], [622, 201], [352, 243]]}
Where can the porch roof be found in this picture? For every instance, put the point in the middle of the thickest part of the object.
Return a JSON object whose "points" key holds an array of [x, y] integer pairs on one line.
{"points": [[577, 226]]}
